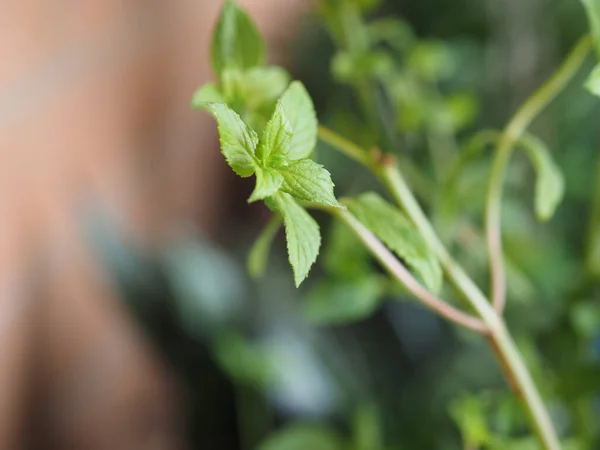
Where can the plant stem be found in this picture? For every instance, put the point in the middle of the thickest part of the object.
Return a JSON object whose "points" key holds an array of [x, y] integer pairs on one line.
{"points": [[348, 148], [400, 273], [512, 133], [421, 186], [500, 340], [593, 240]]}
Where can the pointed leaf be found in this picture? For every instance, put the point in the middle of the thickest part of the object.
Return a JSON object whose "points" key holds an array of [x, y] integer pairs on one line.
{"points": [[209, 93], [300, 111], [306, 180], [275, 141], [395, 230], [302, 234], [592, 83], [335, 302], [259, 254], [238, 142], [550, 184], [236, 43], [268, 183]]}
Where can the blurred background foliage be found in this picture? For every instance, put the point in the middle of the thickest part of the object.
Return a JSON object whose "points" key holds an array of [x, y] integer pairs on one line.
{"points": [[349, 361]]}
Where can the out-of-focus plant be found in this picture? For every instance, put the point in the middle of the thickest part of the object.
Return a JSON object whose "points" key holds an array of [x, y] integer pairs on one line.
{"points": [[268, 129]]}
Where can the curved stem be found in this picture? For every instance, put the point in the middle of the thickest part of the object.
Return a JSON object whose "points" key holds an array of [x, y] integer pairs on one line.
{"points": [[500, 340], [512, 133], [473, 148], [401, 274], [348, 148], [421, 186]]}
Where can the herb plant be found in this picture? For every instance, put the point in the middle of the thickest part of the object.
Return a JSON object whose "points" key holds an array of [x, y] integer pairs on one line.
{"points": [[268, 129]]}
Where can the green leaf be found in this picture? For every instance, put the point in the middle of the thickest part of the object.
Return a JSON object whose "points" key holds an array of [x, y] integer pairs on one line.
{"points": [[268, 182], [367, 429], [302, 235], [350, 67], [300, 111], [368, 5], [592, 83], [395, 32], [308, 181], [431, 61], [345, 257], [254, 92], [264, 85], [395, 230], [340, 301], [550, 184], [585, 319], [303, 437], [275, 142], [257, 259], [209, 93], [245, 363], [237, 43], [469, 415], [238, 142], [462, 109], [592, 9]]}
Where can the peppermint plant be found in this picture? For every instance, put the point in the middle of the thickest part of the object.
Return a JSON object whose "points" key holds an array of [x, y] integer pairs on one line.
{"points": [[269, 130]]}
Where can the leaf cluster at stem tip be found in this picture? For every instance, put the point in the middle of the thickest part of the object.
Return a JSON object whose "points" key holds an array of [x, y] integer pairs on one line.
{"points": [[277, 148]]}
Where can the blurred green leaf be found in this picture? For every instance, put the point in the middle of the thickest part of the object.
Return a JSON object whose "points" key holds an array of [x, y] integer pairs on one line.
{"points": [[259, 254], [303, 437], [592, 83], [431, 61], [367, 429], [469, 415], [345, 257], [264, 85], [462, 109], [238, 142], [368, 5], [350, 67], [243, 362], [302, 235], [236, 43], [334, 302], [550, 184], [300, 111], [391, 226], [209, 93], [395, 32], [592, 8], [585, 318]]}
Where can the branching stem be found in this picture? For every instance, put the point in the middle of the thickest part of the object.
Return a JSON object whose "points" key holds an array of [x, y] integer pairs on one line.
{"points": [[401, 274], [512, 133], [509, 357]]}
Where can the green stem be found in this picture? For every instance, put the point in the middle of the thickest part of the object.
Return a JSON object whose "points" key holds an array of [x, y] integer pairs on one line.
{"points": [[511, 135], [419, 183], [402, 275], [593, 244], [500, 340]]}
